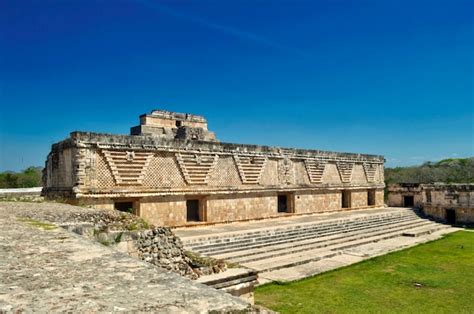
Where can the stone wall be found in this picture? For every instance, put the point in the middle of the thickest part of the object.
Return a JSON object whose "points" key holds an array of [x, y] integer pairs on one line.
{"points": [[159, 172], [455, 196], [379, 197], [171, 210], [397, 193], [359, 199], [59, 171], [397, 200], [166, 210], [233, 207], [107, 170], [317, 201], [437, 199], [462, 215]]}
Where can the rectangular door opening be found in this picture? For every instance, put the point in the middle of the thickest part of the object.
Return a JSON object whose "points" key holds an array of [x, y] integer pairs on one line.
{"points": [[409, 201], [124, 207], [450, 216], [371, 197], [283, 204], [192, 210], [346, 199]]}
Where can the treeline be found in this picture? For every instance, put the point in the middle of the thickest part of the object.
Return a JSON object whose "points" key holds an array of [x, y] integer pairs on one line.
{"points": [[454, 170], [28, 178]]}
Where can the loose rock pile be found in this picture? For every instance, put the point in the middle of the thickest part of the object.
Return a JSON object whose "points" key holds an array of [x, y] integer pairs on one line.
{"points": [[162, 248]]}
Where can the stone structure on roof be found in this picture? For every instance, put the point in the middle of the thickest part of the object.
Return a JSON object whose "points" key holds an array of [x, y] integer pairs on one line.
{"points": [[172, 171], [173, 125]]}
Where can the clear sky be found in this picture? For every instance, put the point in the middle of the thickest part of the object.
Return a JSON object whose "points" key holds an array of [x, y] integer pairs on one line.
{"points": [[370, 76]]}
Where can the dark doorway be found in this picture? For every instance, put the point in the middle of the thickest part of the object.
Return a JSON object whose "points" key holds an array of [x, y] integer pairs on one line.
{"points": [[346, 199], [124, 206], [192, 210], [371, 197], [408, 201], [450, 216], [282, 204]]}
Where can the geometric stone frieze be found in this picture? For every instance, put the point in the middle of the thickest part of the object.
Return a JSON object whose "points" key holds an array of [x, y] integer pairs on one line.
{"points": [[128, 167], [345, 171], [196, 168], [370, 170], [250, 168], [286, 171], [315, 169]]}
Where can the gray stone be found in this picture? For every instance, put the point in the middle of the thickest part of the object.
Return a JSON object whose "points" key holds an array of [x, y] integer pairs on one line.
{"points": [[57, 271]]}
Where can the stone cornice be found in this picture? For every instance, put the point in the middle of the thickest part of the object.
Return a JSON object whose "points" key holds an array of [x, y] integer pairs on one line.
{"points": [[153, 144], [215, 191]]}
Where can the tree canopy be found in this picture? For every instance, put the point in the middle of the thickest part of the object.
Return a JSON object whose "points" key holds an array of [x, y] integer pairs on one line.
{"points": [[28, 178], [453, 170]]}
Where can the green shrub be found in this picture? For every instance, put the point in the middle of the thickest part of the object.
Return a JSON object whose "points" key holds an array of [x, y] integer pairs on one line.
{"points": [[28, 178]]}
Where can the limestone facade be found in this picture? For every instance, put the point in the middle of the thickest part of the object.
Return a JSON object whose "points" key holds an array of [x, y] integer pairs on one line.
{"points": [[405, 195], [452, 203], [172, 171]]}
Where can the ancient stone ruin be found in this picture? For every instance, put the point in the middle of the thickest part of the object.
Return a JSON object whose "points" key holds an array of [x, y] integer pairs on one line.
{"points": [[451, 203], [172, 171]]}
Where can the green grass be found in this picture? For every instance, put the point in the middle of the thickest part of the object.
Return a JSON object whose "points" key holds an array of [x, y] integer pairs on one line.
{"points": [[435, 277], [37, 223]]}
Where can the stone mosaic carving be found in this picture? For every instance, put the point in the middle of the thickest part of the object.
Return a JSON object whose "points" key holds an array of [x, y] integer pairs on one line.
{"points": [[128, 167], [370, 171], [345, 171], [286, 171], [315, 169], [196, 168], [250, 168]]}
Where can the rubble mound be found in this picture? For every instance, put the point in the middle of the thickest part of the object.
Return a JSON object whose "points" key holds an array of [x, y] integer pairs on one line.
{"points": [[160, 246]]}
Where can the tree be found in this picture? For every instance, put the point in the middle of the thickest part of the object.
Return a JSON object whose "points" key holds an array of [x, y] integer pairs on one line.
{"points": [[30, 177]]}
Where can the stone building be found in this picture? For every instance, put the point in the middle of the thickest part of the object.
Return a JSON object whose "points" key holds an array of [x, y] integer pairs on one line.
{"points": [[452, 203], [172, 171], [405, 195]]}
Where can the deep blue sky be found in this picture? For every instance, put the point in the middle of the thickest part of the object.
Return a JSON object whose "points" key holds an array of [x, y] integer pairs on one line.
{"points": [[383, 77]]}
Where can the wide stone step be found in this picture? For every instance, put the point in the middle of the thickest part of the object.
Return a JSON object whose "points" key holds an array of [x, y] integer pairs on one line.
{"points": [[321, 244], [316, 254], [278, 248], [294, 235], [232, 279], [304, 237], [196, 243], [285, 262], [295, 238], [425, 230], [226, 239]]}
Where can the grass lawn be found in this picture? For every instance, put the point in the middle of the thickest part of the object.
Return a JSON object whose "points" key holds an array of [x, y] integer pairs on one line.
{"points": [[435, 277]]}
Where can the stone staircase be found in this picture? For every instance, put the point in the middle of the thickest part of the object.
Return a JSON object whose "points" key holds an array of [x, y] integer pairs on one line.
{"points": [[271, 249]]}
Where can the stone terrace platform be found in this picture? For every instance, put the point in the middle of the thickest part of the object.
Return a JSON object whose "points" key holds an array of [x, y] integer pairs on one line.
{"points": [[44, 268], [291, 248], [197, 232]]}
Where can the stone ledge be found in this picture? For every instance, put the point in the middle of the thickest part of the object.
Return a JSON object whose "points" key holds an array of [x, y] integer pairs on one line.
{"points": [[75, 275]]}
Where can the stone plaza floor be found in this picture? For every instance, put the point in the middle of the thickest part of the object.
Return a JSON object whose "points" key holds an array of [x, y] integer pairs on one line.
{"points": [[44, 268]]}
